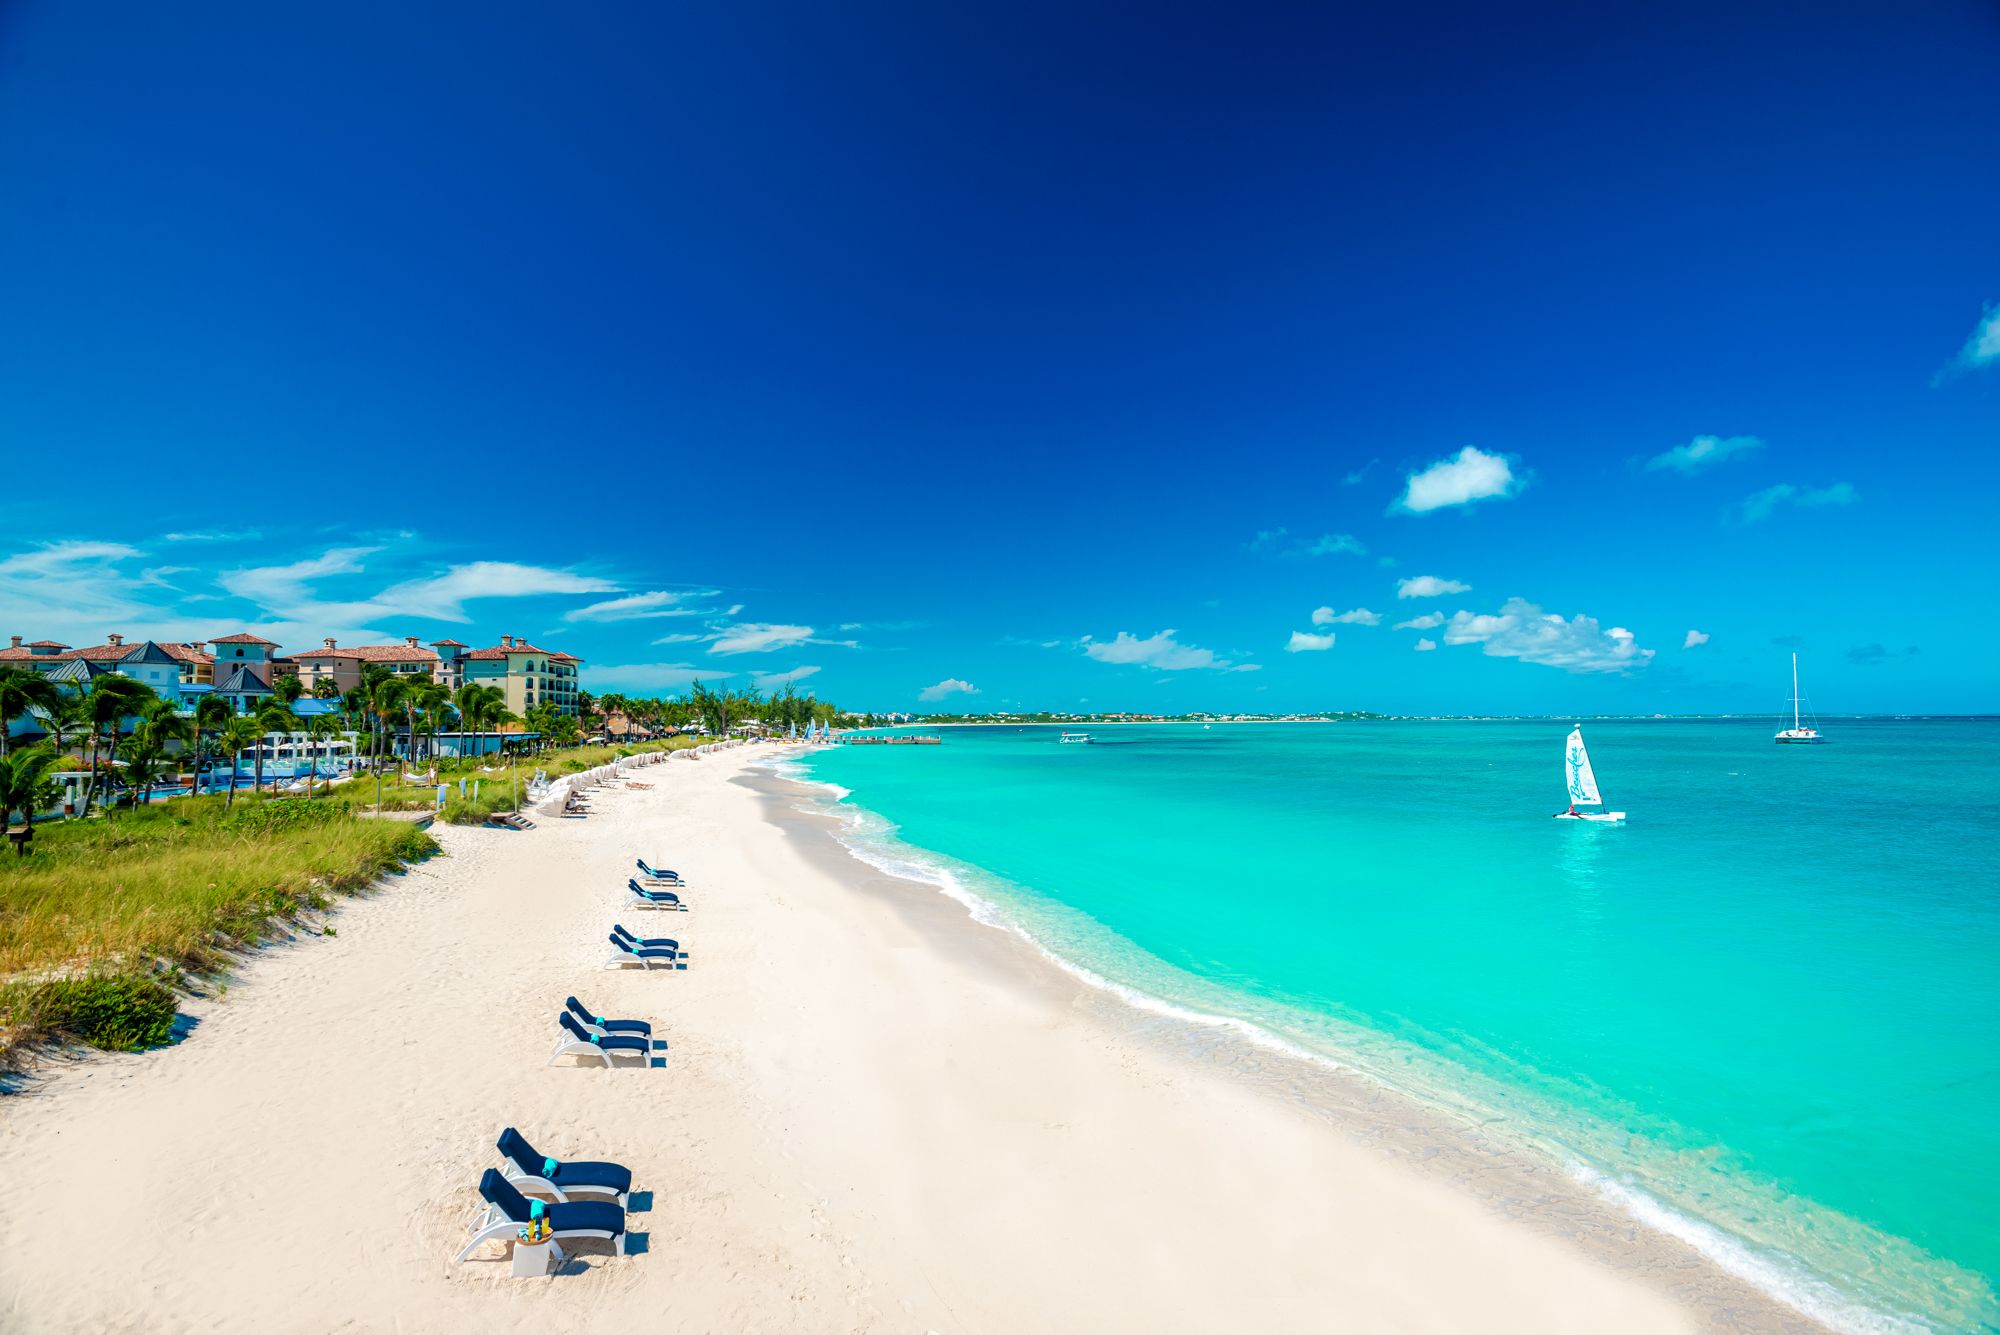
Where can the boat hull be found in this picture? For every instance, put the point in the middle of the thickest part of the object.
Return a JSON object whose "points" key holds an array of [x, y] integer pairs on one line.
{"points": [[1601, 817]]}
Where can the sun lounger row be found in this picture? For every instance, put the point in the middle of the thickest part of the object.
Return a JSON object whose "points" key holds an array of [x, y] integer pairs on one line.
{"points": [[646, 951], [509, 820]]}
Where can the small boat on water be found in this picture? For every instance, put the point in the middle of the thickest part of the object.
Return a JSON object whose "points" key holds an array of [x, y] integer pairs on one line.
{"points": [[1581, 781], [1074, 739], [1798, 734]]}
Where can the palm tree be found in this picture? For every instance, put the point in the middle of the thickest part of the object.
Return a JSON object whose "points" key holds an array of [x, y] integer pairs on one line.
{"points": [[141, 769], [22, 689], [287, 688], [68, 720], [210, 714], [326, 688], [426, 698], [238, 735], [23, 787], [159, 723], [476, 706], [321, 729], [386, 699], [271, 716], [113, 699]]}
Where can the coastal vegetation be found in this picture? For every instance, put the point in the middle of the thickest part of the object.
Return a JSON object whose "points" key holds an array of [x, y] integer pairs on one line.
{"points": [[100, 925]]}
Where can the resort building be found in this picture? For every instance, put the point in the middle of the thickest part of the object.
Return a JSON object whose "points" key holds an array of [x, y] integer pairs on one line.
{"points": [[528, 675], [343, 667], [243, 668]]}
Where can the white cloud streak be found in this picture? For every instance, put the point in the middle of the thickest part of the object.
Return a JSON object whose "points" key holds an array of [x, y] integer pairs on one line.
{"points": [[1702, 452], [1522, 630], [1760, 505], [1429, 586], [1428, 621], [1360, 616], [948, 687], [1161, 651], [1980, 351], [1470, 475], [1695, 638], [1302, 643]]}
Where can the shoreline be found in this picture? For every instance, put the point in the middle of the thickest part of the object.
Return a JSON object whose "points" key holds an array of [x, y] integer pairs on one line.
{"points": [[873, 1113], [1529, 1185]]}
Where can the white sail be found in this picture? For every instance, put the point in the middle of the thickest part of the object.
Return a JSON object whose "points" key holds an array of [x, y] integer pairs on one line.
{"points": [[1577, 775]]}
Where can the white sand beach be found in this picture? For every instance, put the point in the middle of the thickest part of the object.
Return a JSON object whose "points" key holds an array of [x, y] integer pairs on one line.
{"points": [[874, 1115]]}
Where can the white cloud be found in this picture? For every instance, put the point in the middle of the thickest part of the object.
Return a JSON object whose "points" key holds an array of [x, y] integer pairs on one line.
{"points": [[1702, 452], [1360, 616], [1302, 643], [1695, 637], [1429, 586], [1356, 477], [79, 592], [1428, 621], [286, 590], [949, 686], [1522, 630], [640, 606], [650, 676], [215, 535], [1981, 350], [1759, 505], [1335, 544], [1160, 651], [753, 637], [770, 681], [680, 637], [1470, 475], [1426, 644]]}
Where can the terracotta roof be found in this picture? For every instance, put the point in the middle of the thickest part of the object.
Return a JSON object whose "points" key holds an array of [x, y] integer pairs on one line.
{"points": [[187, 653], [566, 658], [328, 653], [243, 637], [502, 651], [101, 653], [23, 651], [381, 653], [47, 644], [449, 644]]}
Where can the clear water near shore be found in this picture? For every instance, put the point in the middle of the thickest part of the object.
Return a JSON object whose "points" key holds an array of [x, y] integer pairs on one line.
{"points": [[1762, 1014]]}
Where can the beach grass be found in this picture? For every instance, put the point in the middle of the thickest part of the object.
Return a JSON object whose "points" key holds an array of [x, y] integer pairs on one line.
{"points": [[501, 786], [100, 922]]}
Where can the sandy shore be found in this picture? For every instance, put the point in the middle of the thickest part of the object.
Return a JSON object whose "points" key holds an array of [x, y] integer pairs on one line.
{"points": [[874, 1114]]}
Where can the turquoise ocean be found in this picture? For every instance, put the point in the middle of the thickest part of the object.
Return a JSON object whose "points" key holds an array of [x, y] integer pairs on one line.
{"points": [[1763, 1014]]}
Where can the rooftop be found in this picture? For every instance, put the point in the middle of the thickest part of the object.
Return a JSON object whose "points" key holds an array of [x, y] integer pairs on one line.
{"points": [[243, 637]]}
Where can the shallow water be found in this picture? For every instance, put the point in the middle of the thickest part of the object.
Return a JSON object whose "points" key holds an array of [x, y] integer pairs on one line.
{"points": [[1768, 1003]]}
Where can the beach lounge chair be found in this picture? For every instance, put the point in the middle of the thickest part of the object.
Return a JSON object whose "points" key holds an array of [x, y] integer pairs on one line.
{"points": [[653, 899], [618, 930], [529, 1170], [576, 1041], [507, 1210], [660, 877], [623, 952], [597, 1024]]}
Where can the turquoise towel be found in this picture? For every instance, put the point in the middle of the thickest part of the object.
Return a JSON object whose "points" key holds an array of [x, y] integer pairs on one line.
{"points": [[550, 1168]]}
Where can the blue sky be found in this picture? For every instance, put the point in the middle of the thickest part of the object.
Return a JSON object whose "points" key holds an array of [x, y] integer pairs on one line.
{"points": [[1150, 358]]}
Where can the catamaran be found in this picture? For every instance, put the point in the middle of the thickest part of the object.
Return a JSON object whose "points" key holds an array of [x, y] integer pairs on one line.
{"points": [[1581, 781], [1074, 739], [1798, 733]]}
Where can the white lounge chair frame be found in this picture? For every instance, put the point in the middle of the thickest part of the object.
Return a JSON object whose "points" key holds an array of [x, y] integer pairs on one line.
{"points": [[492, 1224]]}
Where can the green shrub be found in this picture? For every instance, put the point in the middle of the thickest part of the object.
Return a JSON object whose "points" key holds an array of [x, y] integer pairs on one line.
{"points": [[118, 1012]]}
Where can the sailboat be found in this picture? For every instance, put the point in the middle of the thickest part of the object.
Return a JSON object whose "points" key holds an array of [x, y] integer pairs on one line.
{"points": [[1798, 734], [1581, 781]]}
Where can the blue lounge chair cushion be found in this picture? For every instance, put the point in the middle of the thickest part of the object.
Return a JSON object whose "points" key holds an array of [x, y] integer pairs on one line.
{"points": [[619, 930], [645, 952], [563, 1216], [568, 1174], [613, 1043], [608, 1026], [657, 896]]}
